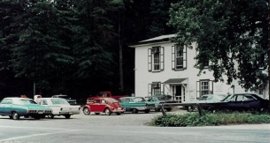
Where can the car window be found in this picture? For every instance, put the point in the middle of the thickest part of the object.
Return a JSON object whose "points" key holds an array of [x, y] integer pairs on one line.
{"points": [[232, 99], [24, 101], [248, 98], [103, 101], [44, 102], [138, 100], [111, 100], [6, 101], [59, 101]]}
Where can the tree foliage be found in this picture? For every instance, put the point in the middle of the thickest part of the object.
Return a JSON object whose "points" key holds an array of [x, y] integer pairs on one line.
{"points": [[71, 46], [230, 34]]}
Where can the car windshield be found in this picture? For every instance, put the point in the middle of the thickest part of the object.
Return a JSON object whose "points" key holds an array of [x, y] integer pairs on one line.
{"points": [[63, 96], [217, 97], [59, 101], [227, 98], [138, 99], [24, 101]]}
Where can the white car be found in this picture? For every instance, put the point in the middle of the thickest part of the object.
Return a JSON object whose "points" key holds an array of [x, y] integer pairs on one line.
{"points": [[59, 106]]}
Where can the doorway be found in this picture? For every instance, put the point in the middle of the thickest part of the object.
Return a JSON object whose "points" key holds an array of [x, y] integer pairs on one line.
{"points": [[178, 91]]}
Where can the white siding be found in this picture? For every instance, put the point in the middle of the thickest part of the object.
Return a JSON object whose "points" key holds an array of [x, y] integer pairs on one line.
{"points": [[143, 77]]}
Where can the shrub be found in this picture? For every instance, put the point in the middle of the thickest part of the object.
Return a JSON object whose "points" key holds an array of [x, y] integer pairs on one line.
{"points": [[209, 119]]}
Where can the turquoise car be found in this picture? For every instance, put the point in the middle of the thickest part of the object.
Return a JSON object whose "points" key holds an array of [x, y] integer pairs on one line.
{"points": [[159, 100], [136, 104], [16, 107]]}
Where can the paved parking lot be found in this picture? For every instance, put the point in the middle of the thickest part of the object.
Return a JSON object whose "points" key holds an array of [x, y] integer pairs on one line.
{"points": [[125, 128]]}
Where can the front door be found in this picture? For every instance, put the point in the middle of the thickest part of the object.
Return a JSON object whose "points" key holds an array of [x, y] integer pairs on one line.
{"points": [[178, 92]]}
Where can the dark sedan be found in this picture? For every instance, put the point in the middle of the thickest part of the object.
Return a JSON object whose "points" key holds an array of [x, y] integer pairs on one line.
{"points": [[239, 102]]}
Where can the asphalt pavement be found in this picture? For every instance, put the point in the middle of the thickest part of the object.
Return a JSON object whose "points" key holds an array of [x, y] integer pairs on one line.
{"points": [[126, 128]]}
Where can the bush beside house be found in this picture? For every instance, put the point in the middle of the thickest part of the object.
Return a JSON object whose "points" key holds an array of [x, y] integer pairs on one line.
{"points": [[210, 119]]}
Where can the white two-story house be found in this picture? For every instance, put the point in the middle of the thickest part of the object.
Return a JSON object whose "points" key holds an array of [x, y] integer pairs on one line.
{"points": [[161, 67]]}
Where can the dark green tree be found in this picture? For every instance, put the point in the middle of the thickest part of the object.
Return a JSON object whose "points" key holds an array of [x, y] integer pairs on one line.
{"points": [[231, 34]]}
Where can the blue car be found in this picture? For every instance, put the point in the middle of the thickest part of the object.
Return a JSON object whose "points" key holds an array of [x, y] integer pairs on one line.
{"points": [[16, 107]]}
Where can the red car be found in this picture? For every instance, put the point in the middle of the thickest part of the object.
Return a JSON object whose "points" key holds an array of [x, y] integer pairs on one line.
{"points": [[105, 105]]}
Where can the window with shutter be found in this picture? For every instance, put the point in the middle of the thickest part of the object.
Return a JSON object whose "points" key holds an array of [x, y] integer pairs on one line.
{"points": [[205, 87], [156, 88], [179, 58]]}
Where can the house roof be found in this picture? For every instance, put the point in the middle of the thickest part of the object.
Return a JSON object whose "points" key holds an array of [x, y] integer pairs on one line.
{"points": [[174, 80], [161, 38]]}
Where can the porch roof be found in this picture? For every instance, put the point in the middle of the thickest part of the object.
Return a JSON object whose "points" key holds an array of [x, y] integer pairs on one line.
{"points": [[174, 80]]}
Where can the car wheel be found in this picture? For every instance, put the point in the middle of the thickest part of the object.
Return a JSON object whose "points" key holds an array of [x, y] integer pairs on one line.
{"points": [[157, 109], [15, 116], [108, 111], [51, 116], [169, 109], [134, 111], [147, 111], [67, 116], [36, 117], [10, 117], [86, 111]]}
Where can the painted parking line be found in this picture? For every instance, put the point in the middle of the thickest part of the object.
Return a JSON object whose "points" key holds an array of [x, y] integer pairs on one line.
{"points": [[34, 128], [36, 135]]}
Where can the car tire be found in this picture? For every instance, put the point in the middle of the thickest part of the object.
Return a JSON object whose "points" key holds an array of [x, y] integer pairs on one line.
{"points": [[118, 113], [157, 109], [168, 109], [86, 111], [67, 116], [15, 116], [147, 111], [51, 116], [134, 111], [107, 111], [36, 117]]}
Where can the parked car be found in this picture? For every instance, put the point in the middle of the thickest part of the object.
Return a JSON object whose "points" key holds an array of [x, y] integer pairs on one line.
{"points": [[159, 100], [59, 106], [239, 102], [136, 104], [66, 97], [105, 105], [207, 98], [107, 94], [16, 107]]}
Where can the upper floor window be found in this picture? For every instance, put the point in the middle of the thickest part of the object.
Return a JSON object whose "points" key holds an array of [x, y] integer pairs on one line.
{"points": [[179, 58], [156, 59]]}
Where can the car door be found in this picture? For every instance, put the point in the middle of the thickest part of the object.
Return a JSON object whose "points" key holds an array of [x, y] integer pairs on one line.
{"points": [[3, 106], [250, 102], [95, 106], [232, 103], [8, 107]]}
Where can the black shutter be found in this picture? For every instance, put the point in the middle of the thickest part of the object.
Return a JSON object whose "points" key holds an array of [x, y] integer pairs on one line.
{"points": [[149, 59], [161, 58], [173, 57], [184, 57]]}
